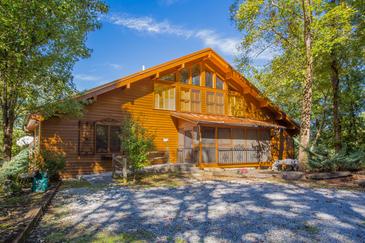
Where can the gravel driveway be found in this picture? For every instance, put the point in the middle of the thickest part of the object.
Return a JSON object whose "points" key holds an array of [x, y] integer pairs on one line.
{"points": [[218, 212]]}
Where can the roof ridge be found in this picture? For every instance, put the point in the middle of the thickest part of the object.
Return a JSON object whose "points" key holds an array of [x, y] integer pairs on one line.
{"points": [[148, 70]]}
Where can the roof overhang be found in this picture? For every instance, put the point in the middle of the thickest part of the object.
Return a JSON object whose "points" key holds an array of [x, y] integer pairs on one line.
{"points": [[219, 120]]}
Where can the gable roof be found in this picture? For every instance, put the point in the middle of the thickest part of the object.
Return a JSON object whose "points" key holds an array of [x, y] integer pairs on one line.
{"points": [[208, 55]]}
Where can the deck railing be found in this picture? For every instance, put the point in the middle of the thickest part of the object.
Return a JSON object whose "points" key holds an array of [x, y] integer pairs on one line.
{"points": [[239, 155], [225, 155]]}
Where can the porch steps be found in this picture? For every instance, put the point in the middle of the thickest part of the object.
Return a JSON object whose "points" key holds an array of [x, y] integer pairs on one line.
{"points": [[158, 157]]}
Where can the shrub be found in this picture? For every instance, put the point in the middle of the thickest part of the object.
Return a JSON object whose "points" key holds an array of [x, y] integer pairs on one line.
{"points": [[53, 163], [52, 158], [331, 161], [11, 171], [136, 142]]}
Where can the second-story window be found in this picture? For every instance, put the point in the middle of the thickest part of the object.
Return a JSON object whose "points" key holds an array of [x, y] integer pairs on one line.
{"points": [[210, 102], [171, 77], [219, 103], [209, 79], [195, 74], [185, 100], [215, 103], [195, 101], [218, 83], [184, 76], [165, 97]]}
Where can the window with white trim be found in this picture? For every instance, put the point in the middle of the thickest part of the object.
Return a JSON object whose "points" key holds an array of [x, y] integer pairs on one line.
{"points": [[165, 97]]}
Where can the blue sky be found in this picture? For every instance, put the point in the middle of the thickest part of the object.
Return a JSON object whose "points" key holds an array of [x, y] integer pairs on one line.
{"points": [[149, 32]]}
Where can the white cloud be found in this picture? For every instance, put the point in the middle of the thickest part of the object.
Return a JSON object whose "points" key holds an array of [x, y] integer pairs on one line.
{"points": [[85, 77], [212, 39], [116, 66], [209, 38], [147, 24]]}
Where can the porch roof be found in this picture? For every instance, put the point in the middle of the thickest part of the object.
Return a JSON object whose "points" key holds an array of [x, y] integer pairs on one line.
{"points": [[202, 119]]}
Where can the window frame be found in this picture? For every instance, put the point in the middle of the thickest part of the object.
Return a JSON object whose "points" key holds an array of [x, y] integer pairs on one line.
{"points": [[198, 68], [164, 77], [217, 76], [108, 125], [188, 70], [215, 103], [194, 101], [212, 79], [184, 100], [167, 89]]}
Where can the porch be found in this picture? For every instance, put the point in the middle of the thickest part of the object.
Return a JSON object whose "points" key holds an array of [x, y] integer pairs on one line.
{"points": [[221, 141]]}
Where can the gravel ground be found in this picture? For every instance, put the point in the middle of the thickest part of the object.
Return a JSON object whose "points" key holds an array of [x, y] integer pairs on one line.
{"points": [[210, 211]]}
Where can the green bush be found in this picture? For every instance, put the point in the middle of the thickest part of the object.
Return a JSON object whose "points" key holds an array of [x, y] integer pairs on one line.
{"points": [[11, 171], [53, 164], [136, 142], [331, 161]]}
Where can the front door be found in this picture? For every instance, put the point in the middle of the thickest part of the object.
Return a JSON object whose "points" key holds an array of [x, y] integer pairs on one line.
{"points": [[185, 150]]}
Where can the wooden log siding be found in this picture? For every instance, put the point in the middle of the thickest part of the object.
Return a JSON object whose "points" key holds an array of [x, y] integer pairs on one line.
{"points": [[136, 101]]}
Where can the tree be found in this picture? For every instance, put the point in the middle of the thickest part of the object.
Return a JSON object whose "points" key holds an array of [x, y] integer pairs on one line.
{"points": [[136, 142], [307, 37], [308, 83], [40, 41]]}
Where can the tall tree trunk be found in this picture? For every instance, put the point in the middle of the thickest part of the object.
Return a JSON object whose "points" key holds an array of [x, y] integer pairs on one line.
{"points": [[307, 92], [8, 117], [8, 138], [7, 102], [335, 80]]}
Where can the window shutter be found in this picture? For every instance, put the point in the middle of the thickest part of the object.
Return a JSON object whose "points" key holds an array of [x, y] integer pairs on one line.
{"points": [[86, 138]]}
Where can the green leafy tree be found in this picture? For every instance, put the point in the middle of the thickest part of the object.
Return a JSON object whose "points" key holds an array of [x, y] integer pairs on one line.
{"points": [[311, 38], [40, 41], [136, 142]]}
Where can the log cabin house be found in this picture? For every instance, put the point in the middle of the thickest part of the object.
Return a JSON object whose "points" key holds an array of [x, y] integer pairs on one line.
{"points": [[198, 107]]}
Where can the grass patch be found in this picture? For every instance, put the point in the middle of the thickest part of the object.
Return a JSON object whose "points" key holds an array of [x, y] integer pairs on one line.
{"points": [[75, 184], [157, 180], [82, 183], [138, 236]]}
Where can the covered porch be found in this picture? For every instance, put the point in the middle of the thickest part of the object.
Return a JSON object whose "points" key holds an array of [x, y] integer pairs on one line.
{"points": [[223, 141]]}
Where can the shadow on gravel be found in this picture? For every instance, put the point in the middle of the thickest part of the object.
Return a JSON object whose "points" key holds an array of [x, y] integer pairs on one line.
{"points": [[211, 211]]}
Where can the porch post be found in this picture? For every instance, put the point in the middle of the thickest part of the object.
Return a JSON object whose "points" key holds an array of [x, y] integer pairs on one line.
{"points": [[200, 146], [216, 144], [281, 144]]}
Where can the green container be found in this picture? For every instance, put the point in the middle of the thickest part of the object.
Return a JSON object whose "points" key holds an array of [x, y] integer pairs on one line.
{"points": [[40, 182]]}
